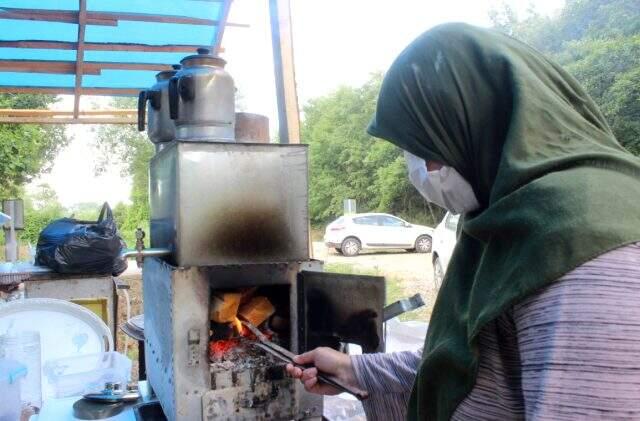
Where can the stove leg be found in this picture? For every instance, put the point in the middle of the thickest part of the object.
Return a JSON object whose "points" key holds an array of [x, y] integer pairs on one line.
{"points": [[142, 368]]}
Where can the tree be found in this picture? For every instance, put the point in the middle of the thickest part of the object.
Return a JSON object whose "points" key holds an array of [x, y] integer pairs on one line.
{"points": [[26, 150], [598, 42], [85, 211], [123, 143], [346, 163], [40, 208]]}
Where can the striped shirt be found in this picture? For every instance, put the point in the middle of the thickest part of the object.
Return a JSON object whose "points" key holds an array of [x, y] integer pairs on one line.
{"points": [[569, 352]]}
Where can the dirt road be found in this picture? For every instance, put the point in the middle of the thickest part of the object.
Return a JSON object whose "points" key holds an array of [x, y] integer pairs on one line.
{"points": [[410, 272]]}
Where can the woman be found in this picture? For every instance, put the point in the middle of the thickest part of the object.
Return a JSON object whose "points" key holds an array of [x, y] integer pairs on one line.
{"points": [[538, 316]]}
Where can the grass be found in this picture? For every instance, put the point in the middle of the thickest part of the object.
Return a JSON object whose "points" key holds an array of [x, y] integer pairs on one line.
{"points": [[317, 234], [394, 288]]}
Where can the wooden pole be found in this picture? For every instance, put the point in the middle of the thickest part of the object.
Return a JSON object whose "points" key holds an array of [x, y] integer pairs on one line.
{"points": [[220, 27], [82, 23], [281, 38]]}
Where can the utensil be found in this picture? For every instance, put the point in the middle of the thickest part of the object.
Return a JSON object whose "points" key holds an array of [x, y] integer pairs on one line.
{"points": [[287, 356]]}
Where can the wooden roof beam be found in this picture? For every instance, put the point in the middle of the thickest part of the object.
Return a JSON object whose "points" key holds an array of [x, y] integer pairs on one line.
{"points": [[64, 16], [69, 67], [51, 90], [42, 66], [54, 120], [99, 46], [103, 18], [52, 113]]}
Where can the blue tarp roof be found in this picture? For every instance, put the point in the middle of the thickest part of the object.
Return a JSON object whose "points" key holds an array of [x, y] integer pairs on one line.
{"points": [[112, 27]]}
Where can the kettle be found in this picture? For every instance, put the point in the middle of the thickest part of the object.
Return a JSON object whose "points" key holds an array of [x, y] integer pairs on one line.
{"points": [[160, 126], [202, 99]]}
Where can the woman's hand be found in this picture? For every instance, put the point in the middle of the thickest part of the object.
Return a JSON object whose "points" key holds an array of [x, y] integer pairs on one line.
{"points": [[328, 361]]}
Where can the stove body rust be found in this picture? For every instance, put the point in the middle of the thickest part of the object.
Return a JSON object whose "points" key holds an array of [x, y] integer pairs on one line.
{"points": [[218, 203]]}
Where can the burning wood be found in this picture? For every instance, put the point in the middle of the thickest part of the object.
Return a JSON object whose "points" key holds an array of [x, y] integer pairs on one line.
{"points": [[257, 310], [229, 335], [224, 306]]}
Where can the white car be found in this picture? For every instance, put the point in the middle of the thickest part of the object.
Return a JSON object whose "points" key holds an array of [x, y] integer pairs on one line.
{"points": [[351, 233], [444, 241]]}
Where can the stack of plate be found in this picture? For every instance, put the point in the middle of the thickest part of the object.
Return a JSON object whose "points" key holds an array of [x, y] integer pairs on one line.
{"points": [[135, 327]]}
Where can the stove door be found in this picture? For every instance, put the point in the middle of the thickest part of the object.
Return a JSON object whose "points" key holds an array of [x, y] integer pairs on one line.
{"points": [[335, 309]]}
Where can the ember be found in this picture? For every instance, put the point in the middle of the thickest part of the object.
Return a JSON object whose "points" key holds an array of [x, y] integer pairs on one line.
{"points": [[218, 349]]}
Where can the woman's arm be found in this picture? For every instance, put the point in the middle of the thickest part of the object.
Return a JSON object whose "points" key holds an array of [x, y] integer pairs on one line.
{"points": [[387, 377], [386, 373]]}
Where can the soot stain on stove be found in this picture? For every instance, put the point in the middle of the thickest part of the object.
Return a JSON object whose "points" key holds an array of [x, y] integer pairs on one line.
{"points": [[250, 232]]}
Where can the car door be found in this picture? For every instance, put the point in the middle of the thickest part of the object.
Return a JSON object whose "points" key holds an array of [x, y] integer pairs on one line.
{"points": [[395, 232], [366, 228], [448, 238]]}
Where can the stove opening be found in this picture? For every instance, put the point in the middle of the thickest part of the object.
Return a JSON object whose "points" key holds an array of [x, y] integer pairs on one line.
{"points": [[267, 308]]}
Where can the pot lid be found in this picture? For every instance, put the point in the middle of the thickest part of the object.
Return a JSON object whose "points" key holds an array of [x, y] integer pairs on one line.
{"points": [[168, 74], [203, 58]]}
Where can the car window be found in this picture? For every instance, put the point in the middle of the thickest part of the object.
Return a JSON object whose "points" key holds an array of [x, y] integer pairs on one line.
{"points": [[390, 221], [452, 221], [365, 220]]}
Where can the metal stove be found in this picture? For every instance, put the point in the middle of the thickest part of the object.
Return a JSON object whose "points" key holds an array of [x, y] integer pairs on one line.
{"points": [[234, 217]]}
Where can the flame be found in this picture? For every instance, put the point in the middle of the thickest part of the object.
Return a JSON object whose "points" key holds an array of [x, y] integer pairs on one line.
{"points": [[237, 325]]}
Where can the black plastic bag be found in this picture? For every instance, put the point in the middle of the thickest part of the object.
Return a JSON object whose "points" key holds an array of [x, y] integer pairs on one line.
{"points": [[71, 246]]}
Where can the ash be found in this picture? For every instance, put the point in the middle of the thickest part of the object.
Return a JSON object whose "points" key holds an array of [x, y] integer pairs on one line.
{"points": [[242, 356]]}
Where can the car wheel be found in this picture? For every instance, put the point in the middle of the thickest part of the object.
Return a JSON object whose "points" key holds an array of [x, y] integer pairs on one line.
{"points": [[338, 250], [350, 246], [423, 244], [438, 273]]}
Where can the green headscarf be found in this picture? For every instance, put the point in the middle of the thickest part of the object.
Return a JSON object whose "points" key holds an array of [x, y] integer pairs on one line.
{"points": [[555, 186]]}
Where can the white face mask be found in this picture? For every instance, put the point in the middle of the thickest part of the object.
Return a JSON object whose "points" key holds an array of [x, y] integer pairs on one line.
{"points": [[444, 187]]}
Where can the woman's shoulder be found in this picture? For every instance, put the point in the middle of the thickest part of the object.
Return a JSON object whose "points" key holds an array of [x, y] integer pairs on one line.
{"points": [[607, 280]]}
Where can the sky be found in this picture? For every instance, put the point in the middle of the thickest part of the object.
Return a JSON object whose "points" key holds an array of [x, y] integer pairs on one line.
{"points": [[336, 42]]}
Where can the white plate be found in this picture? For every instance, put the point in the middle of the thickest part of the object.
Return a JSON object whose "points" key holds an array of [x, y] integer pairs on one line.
{"points": [[66, 329]]}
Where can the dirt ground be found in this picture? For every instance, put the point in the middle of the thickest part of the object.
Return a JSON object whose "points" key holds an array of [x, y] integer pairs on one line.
{"points": [[406, 274]]}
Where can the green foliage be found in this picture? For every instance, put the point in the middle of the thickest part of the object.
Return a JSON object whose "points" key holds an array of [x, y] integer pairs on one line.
{"points": [[346, 163], [598, 42], [26, 150], [40, 208], [85, 211], [124, 144]]}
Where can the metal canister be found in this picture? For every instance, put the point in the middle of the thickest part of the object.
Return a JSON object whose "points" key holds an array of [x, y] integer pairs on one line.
{"points": [[202, 99], [161, 128]]}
